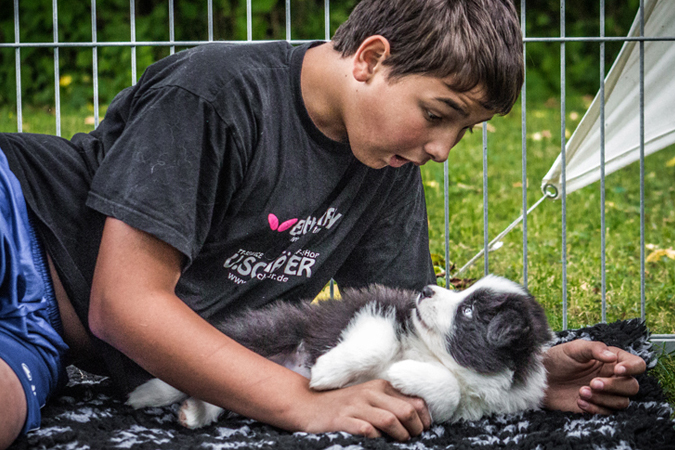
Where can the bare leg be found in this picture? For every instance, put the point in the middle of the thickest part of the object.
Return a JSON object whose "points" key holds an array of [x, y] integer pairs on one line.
{"points": [[12, 406]]}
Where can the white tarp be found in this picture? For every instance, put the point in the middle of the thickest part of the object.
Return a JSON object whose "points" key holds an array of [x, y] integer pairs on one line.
{"points": [[622, 106]]}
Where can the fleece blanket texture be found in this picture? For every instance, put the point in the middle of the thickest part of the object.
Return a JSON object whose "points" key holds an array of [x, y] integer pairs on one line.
{"points": [[89, 414]]}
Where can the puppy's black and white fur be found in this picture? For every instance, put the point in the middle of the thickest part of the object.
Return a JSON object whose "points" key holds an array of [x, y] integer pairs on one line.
{"points": [[467, 354]]}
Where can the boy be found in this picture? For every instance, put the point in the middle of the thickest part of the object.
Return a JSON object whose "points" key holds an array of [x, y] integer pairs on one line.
{"points": [[231, 176]]}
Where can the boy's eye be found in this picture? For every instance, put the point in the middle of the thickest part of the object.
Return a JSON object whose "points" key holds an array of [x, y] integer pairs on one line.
{"points": [[431, 117]]}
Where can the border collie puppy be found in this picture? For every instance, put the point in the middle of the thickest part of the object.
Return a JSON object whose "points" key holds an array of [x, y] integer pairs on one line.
{"points": [[467, 354]]}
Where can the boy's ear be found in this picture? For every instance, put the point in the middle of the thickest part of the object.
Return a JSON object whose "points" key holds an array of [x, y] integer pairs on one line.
{"points": [[369, 56]]}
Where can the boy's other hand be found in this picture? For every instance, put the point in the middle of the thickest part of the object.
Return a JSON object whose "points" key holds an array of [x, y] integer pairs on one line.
{"points": [[589, 376], [368, 409]]}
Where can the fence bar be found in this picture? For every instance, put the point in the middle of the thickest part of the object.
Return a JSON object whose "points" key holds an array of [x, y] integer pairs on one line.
{"points": [[663, 342], [326, 29], [94, 61], [288, 20], [209, 8], [564, 163], [134, 44], [17, 63], [523, 110], [446, 208], [172, 28], [486, 239], [132, 23], [296, 41], [326, 19], [57, 77], [602, 39], [249, 21], [642, 162], [603, 255]]}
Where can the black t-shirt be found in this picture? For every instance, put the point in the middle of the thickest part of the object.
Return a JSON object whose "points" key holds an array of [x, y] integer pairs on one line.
{"points": [[214, 153]]}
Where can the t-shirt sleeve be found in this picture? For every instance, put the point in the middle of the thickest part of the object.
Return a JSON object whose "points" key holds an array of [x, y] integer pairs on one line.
{"points": [[395, 249], [163, 174]]}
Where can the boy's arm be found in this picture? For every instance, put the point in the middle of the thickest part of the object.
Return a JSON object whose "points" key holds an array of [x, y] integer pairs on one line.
{"points": [[134, 308]]}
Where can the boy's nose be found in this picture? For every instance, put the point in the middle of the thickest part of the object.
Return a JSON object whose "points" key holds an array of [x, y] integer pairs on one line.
{"points": [[439, 149]]}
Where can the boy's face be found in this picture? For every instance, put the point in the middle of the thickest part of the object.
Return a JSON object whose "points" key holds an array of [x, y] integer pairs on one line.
{"points": [[414, 119]]}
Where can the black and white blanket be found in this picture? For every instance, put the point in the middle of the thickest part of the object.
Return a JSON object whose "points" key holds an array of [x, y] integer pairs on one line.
{"points": [[88, 414]]}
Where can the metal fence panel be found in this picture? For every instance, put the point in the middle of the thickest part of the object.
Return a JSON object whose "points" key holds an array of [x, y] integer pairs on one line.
{"points": [[132, 44]]}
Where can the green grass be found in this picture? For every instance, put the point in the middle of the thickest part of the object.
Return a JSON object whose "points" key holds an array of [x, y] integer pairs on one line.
{"points": [[43, 120], [665, 373], [544, 224]]}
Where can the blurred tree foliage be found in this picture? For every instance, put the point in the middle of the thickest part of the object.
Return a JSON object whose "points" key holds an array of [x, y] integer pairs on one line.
{"points": [[582, 59], [269, 22], [151, 24]]}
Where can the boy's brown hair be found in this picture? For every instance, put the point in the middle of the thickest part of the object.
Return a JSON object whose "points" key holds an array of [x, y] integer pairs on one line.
{"points": [[476, 42]]}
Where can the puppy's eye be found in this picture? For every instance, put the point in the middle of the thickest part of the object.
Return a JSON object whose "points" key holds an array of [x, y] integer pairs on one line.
{"points": [[467, 311]]}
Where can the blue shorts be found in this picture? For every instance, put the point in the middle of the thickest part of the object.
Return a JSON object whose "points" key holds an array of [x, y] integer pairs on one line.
{"points": [[30, 326]]}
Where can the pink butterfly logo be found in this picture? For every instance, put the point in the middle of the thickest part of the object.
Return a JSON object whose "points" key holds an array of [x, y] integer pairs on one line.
{"points": [[274, 223]]}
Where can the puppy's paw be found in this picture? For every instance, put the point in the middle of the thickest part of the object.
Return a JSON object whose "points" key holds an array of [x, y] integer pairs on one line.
{"points": [[407, 376], [196, 413], [154, 393], [329, 373], [434, 383]]}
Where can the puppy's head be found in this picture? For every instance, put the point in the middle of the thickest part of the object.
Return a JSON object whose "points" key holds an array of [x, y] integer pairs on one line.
{"points": [[494, 325]]}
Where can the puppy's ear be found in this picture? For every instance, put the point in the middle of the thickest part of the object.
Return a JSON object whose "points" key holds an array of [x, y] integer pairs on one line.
{"points": [[506, 327]]}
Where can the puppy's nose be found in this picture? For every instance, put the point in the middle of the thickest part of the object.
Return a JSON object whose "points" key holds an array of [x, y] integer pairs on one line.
{"points": [[427, 292]]}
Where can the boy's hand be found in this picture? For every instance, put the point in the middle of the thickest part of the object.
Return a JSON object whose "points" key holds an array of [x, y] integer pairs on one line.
{"points": [[368, 409], [589, 376]]}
